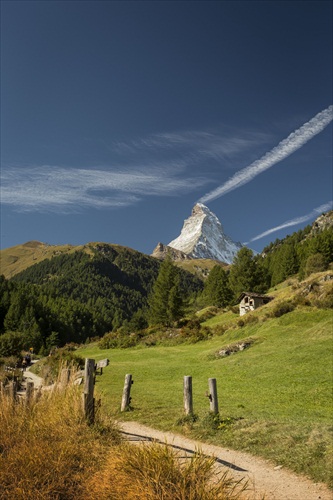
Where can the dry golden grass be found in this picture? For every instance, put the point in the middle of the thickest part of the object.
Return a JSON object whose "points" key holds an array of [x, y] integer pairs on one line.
{"points": [[48, 451], [154, 471]]}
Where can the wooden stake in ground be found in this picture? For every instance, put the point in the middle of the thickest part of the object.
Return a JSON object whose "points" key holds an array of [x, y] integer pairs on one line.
{"points": [[126, 399], [214, 406], [29, 393], [88, 390], [12, 390], [188, 399], [64, 377]]}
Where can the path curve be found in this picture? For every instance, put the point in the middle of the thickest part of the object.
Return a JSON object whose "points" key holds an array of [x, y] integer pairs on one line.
{"points": [[29, 376], [264, 478]]}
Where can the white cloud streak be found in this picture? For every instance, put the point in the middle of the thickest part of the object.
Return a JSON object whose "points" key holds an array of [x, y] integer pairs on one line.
{"points": [[199, 146], [156, 165], [63, 190], [292, 143], [294, 222]]}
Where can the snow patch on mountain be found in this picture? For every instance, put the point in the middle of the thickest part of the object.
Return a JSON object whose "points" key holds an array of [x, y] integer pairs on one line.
{"points": [[202, 237]]}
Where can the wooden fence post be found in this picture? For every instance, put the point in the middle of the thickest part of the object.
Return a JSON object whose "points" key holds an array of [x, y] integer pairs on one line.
{"points": [[126, 399], [29, 393], [12, 391], [188, 399], [214, 406], [64, 377], [88, 390]]}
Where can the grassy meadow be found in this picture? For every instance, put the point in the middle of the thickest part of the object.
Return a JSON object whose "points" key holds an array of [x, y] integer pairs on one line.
{"points": [[275, 398]]}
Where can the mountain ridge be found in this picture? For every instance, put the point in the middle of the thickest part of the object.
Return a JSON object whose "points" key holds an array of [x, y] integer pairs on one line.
{"points": [[203, 237]]}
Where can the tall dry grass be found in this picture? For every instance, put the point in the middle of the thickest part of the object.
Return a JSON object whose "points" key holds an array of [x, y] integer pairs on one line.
{"points": [[156, 472], [48, 451]]}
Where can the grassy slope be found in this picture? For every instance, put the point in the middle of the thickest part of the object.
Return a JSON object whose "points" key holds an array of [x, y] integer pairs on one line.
{"points": [[286, 374], [280, 388], [16, 259]]}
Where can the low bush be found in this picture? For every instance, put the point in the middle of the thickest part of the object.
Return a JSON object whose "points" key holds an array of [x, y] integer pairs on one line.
{"points": [[282, 308], [214, 421], [119, 339]]}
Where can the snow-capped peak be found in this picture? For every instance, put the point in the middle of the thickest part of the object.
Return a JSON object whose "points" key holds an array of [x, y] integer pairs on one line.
{"points": [[202, 237]]}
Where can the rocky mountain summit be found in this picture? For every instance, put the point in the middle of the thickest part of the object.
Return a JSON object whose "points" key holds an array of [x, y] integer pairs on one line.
{"points": [[203, 237]]}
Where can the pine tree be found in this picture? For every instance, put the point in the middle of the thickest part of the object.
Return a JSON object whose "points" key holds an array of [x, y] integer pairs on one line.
{"points": [[245, 274], [217, 291], [165, 301]]}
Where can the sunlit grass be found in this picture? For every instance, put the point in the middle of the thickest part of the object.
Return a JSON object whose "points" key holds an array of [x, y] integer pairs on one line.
{"points": [[278, 390]]}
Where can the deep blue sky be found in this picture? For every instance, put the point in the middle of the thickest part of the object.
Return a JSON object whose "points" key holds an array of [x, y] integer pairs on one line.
{"points": [[116, 117]]}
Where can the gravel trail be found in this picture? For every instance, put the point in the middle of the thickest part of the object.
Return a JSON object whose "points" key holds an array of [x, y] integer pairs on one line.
{"points": [[276, 483]]}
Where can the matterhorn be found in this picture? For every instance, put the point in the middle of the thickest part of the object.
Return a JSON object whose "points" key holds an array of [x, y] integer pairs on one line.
{"points": [[202, 237]]}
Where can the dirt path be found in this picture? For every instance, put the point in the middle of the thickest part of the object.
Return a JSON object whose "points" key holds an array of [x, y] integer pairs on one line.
{"points": [[31, 377], [275, 482]]}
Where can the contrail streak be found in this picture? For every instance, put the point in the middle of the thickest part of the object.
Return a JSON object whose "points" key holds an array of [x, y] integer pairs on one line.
{"points": [[298, 220], [292, 143]]}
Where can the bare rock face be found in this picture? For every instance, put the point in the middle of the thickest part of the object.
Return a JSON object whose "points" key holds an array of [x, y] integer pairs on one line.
{"points": [[161, 251], [202, 237], [324, 221]]}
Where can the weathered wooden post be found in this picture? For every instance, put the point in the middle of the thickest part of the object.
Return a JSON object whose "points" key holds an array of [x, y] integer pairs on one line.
{"points": [[188, 399], [29, 393], [126, 399], [214, 406], [12, 390], [64, 377], [88, 390]]}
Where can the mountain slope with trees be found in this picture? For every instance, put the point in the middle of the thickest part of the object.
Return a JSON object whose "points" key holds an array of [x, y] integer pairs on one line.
{"points": [[76, 296], [85, 292]]}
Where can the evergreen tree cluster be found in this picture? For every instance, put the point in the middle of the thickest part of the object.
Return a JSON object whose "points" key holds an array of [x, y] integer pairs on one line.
{"points": [[301, 253], [77, 296], [73, 297], [294, 254]]}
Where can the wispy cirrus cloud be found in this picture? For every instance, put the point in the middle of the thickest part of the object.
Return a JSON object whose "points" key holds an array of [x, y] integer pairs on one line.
{"points": [[285, 148], [165, 164], [60, 189], [294, 222], [195, 145]]}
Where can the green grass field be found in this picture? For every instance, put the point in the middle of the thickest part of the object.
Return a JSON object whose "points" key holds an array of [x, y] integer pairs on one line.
{"points": [[278, 392]]}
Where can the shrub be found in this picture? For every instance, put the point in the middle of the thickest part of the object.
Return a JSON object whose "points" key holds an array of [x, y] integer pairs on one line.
{"points": [[220, 329], [315, 263], [282, 308], [194, 332], [119, 339], [216, 422]]}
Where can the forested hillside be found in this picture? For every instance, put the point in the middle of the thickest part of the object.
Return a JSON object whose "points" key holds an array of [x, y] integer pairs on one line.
{"points": [[73, 297], [99, 288]]}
